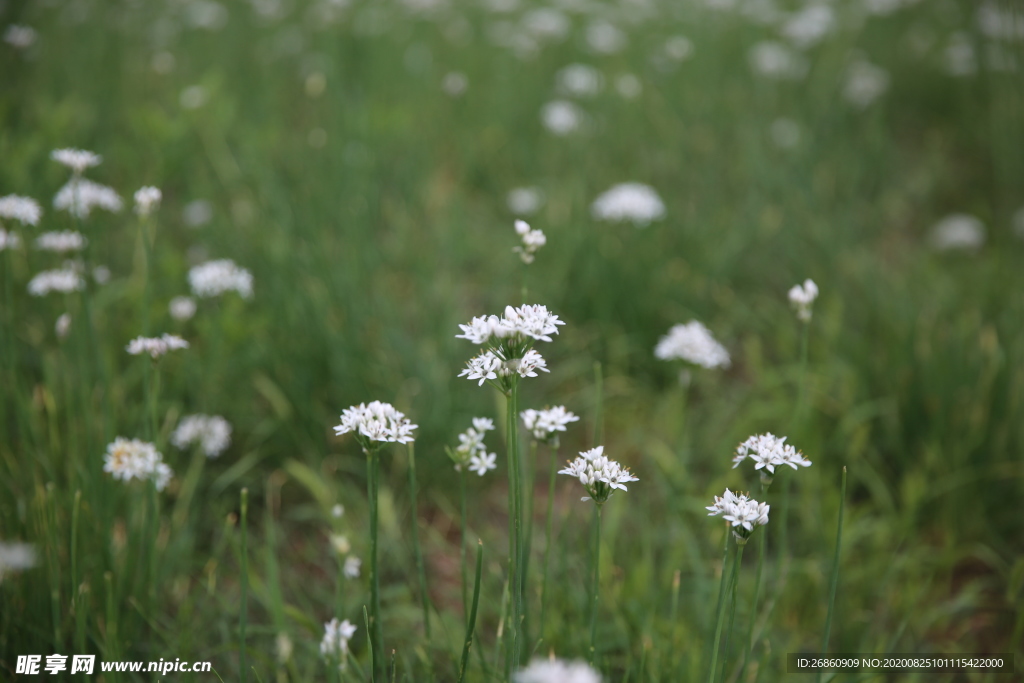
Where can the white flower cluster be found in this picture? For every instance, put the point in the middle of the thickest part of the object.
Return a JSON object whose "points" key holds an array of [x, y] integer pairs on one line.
{"points": [[211, 432], [510, 340], [375, 423], [958, 231], [557, 671], [129, 459], [182, 307], [545, 424], [63, 280], [768, 452], [16, 557], [62, 325], [471, 451], [80, 196], [146, 199], [802, 297], [19, 36], [76, 159], [22, 209], [156, 346], [599, 475], [634, 202], [334, 645], [61, 241], [352, 566], [693, 343], [9, 240], [213, 278], [532, 241], [524, 201], [742, 513]]}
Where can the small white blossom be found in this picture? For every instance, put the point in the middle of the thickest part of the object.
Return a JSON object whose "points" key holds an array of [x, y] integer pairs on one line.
{"points": [[483, 367], [80, 196], [546, 424], [562, 117], [101, 274], [775, 60], [958, 231], [693, 343], [25, 210], [375, 422], [16, 557], [20, 37], [633, 202], [557, 671], [9, 240], [599, 475], [352, 567], [768, 452], [532, 321], [197, 213], [865, 83], [76, 159], [128, 459], [533, 240], [483, 424], [211, 432], [471, 451], [481, 463], [524, 201], [337, 511], [182, 307], [579, 80], [146, 199], [156, 346], [62, 326], [61, 241], [802, 298], [810, 25], [334, 646], [64, 280], [454, 83], [742, 513], [213, 278]]}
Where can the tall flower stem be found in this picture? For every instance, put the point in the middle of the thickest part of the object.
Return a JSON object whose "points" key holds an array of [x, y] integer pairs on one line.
{"points": [[528, 499], [471, 621], [720, 610], [834, 582], [421, 572], [376, 634], [515, 529], [243, 613], [462, 540], [595, 583], [547, 538], [762, 545], [732, 599]]}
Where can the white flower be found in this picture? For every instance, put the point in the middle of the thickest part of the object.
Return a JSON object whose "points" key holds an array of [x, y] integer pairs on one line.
{"points": [[605, 38], [865, 83], [546, 24], [211, 432], [182, 307], [634, 202], [454, 83], [9, 240], [959, 55], [340, 544], [510, 339], [64, 280], [483, 424], [25, 210], [156, 346], [958, 231], [101, 274], [213, 278], [80, 196], [524, 201], [629, 86], [808, 26], [334, 645], [482, 462], [775, 60], [62, 326], [599, 475], [20, 37], [146, 199], [284, 647], [802, 298], [545, 424], [192, 97], [197, 213], [532, 241], [337, 511], [742, 513], [562, 117], [76, 159], [482, 367], [693, 343], [678, 48], [16, 557], [375, 422], [352, 566], [66, 240], [579, 80], [768, 452], [532, 321], [557, 671], [128, 459]]}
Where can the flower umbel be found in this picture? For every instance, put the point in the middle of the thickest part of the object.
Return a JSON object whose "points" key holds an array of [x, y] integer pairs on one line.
{"points": [[546, 424], [802, 298], [532, 239], [768, 452], [147, 199], [374, 424], [599, 475], [334, 646], [156, 347], [693, 343], [471, 453], [76, 159], [742, 513], [25, 210], [557, 671], [128, 459], [211, 432], [509, 341]]}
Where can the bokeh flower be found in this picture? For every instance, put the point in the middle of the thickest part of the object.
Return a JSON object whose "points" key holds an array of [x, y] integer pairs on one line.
{"points": [[802, 298], [25, 210], [633, 202], [693, 343], [147, 199], [546, 424], [211, 432], [128, 459], [156, 347], [76, 159], [556, 671], [214, 278]]}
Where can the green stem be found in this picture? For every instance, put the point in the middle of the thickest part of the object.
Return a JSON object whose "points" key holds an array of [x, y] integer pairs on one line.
{"points": [[462, 541], [835, 571], [599, 403], [801, 388], [421, 572], [528, 480], [515, 525], [761, 546], [369, 644], [471, 623], [547, 537], [376, 635], [720, 610], [732, 607], [243, 606], [595, 585]]}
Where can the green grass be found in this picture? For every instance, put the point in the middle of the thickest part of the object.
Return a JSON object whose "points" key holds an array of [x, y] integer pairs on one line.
{"points": [[369, 250]]}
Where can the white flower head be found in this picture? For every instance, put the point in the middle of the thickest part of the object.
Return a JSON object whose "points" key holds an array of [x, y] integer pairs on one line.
{"points": [[810, 25], [334, 645], [62, 326], [802, 298], [61, 241], [599, 475], [483, 424], [147, 199], [25, 210], [633, 202], [211, 432], [958, 231], [20, 37], [532, 239], [775, 60], [128, 459], [546, 424], [510, 340], [80, 196], [76, 159], [338, 511], [579, 80], [214, 278], [340, 544], [742, 513], [768, 451], [352, 566], [562, 117], [471, 452], [375, 423], [865, 83], [16, 557], [101, 274], [524, 201], [454, 83], [156, 347], [693, 343], [182, 307], [482, 463], [557, 671], [64, 280], [9, 240]]}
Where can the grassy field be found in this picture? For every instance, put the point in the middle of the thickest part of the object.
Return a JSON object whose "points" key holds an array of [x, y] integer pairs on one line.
{"points": [[356, 157]]}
